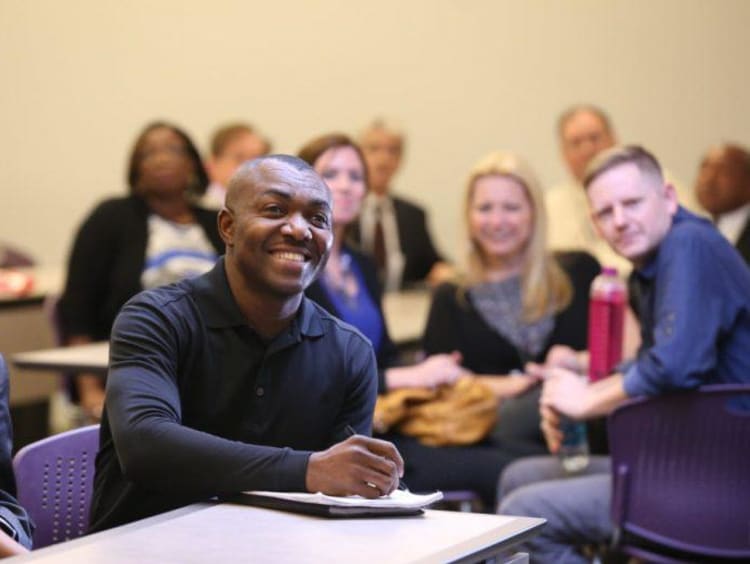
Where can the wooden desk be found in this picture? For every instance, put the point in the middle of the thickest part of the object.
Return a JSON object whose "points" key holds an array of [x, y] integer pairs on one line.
{"points": [[406, 313], [236, 533]]}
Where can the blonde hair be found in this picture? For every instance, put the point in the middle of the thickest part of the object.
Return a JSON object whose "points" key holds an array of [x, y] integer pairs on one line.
{"points": [[545, 287]]}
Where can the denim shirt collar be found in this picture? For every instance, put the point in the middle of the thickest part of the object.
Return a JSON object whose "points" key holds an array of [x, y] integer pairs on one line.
{"points": [[648, 270]]}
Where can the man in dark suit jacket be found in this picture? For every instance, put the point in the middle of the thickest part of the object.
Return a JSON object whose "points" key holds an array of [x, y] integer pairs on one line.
{"points": [[723, 188], [394, 230]]}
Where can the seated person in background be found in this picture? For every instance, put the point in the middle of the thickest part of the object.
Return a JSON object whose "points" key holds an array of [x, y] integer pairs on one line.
{"points": [[12, 257], [516, 300], [723, 189], [349, 289], [235, 381], [391, 229], [584, 131], [15, 524], [151, 237], [695, 326], [231, 145]]}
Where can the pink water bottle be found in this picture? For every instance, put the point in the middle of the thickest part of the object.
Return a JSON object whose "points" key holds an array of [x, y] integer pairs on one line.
{"points": [[606, 323]]}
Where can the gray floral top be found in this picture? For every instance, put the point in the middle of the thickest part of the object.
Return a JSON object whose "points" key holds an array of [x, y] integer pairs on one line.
{"points": [[500, 305]]}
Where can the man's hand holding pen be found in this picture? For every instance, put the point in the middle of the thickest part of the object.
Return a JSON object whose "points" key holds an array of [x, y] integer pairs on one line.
{"points": [[359, 465]]}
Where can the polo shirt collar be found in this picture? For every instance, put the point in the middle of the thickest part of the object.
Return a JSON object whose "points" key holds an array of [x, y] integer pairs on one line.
{"points": [[308, 318], [219, 308]]}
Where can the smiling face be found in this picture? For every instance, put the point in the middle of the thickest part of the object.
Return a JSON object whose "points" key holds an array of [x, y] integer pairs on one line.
{"points": [[632, 211], [164, 166], [344, 173], [277, 227], [500, 219]]}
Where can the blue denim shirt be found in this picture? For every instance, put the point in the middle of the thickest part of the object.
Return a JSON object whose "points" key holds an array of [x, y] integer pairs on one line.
{"points": [[694, 296]]}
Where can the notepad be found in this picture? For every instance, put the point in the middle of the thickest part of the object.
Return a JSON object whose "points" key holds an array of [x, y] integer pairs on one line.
{"points": [[398, 503]]}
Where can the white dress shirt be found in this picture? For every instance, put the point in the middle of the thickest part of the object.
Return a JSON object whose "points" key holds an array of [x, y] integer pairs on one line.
{"points": [[732, 223]]}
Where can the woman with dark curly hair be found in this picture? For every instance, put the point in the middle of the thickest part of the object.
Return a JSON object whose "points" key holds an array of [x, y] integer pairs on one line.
{"points": [[151, 237]]}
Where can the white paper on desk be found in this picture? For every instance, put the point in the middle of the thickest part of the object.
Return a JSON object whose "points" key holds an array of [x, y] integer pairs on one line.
{"points": [[398, 499]]}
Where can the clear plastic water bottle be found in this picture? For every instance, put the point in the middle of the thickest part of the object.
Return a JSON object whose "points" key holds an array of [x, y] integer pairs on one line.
{"points": [[574, 449], [608, 297]]}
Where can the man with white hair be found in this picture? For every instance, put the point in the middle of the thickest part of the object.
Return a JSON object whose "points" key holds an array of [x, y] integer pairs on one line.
{"points": [[391, 229]]}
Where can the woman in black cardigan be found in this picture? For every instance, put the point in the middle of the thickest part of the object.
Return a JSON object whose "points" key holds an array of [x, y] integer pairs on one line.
{"points": [[149, 237], [516, 301]]}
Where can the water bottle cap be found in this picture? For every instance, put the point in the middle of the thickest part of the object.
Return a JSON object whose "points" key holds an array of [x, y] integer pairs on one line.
{"points": [[609, 270]]}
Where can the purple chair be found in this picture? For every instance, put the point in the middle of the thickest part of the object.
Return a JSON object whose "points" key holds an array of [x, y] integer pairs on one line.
{"points": [[55, 479], [681, 475]]}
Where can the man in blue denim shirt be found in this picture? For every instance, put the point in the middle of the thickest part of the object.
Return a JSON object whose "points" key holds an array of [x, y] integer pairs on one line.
{"points": [[234, 380], [694, 301]]}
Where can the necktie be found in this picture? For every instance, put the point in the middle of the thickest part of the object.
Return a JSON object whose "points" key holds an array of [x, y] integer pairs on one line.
{"points": [[378, 245]]}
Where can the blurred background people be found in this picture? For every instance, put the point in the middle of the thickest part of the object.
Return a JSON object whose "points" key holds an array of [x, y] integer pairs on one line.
{"points": [[516, 300], [350, 290], [231, 145], [391, 229], [152, 236], [723, 189], [349, 286], [584, 131]]}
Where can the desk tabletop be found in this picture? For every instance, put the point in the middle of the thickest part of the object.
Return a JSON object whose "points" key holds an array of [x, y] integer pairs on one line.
{"points": [[92, 357], [224, 532]]}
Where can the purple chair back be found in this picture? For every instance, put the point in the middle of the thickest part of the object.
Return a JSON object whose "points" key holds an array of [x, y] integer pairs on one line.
{"points": [[681, 475], [55, 479]]}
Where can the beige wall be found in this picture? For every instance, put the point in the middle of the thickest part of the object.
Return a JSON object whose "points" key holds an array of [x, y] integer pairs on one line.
{"points": [[80, 77]]}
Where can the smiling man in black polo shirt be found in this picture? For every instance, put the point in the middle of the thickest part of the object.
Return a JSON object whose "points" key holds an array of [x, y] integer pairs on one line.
{"points": [[234, 380]]}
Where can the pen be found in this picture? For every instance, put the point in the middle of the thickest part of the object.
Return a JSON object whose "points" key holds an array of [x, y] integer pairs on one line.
{"points": [[350, 432]]}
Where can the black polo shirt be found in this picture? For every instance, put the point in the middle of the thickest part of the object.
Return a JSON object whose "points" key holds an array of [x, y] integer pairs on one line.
{"points": [[199, 405]]}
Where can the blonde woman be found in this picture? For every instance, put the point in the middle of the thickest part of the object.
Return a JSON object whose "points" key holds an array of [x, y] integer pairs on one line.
{"points": [[515, 300]]}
